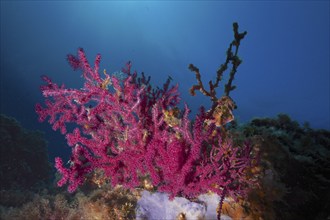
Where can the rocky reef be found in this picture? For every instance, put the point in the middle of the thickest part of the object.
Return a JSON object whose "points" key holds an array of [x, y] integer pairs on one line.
{"points": [[294, 176], [24, 161], [295, 168]]}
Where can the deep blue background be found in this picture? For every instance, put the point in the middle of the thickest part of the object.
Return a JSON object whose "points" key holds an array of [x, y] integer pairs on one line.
{"points": [[285, 54]]}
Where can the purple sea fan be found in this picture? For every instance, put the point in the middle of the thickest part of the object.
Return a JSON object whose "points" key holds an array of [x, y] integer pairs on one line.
{"points": [[131, 129]]}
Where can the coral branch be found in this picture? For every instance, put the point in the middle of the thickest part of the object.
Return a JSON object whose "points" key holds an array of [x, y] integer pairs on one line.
{"points": [[232, 57]]}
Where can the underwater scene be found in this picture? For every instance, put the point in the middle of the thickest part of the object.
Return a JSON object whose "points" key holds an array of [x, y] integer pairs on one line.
{"points": [[183, 110]]}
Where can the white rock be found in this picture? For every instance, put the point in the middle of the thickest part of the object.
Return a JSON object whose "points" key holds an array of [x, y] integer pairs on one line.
{"points": [[158, 206]]}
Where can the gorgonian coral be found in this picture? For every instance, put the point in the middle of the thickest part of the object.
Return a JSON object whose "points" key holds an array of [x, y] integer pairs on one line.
{"points": [[128, 129]]}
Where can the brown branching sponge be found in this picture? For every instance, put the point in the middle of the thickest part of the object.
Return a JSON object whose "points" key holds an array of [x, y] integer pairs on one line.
{"points": [[233, 60]]}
